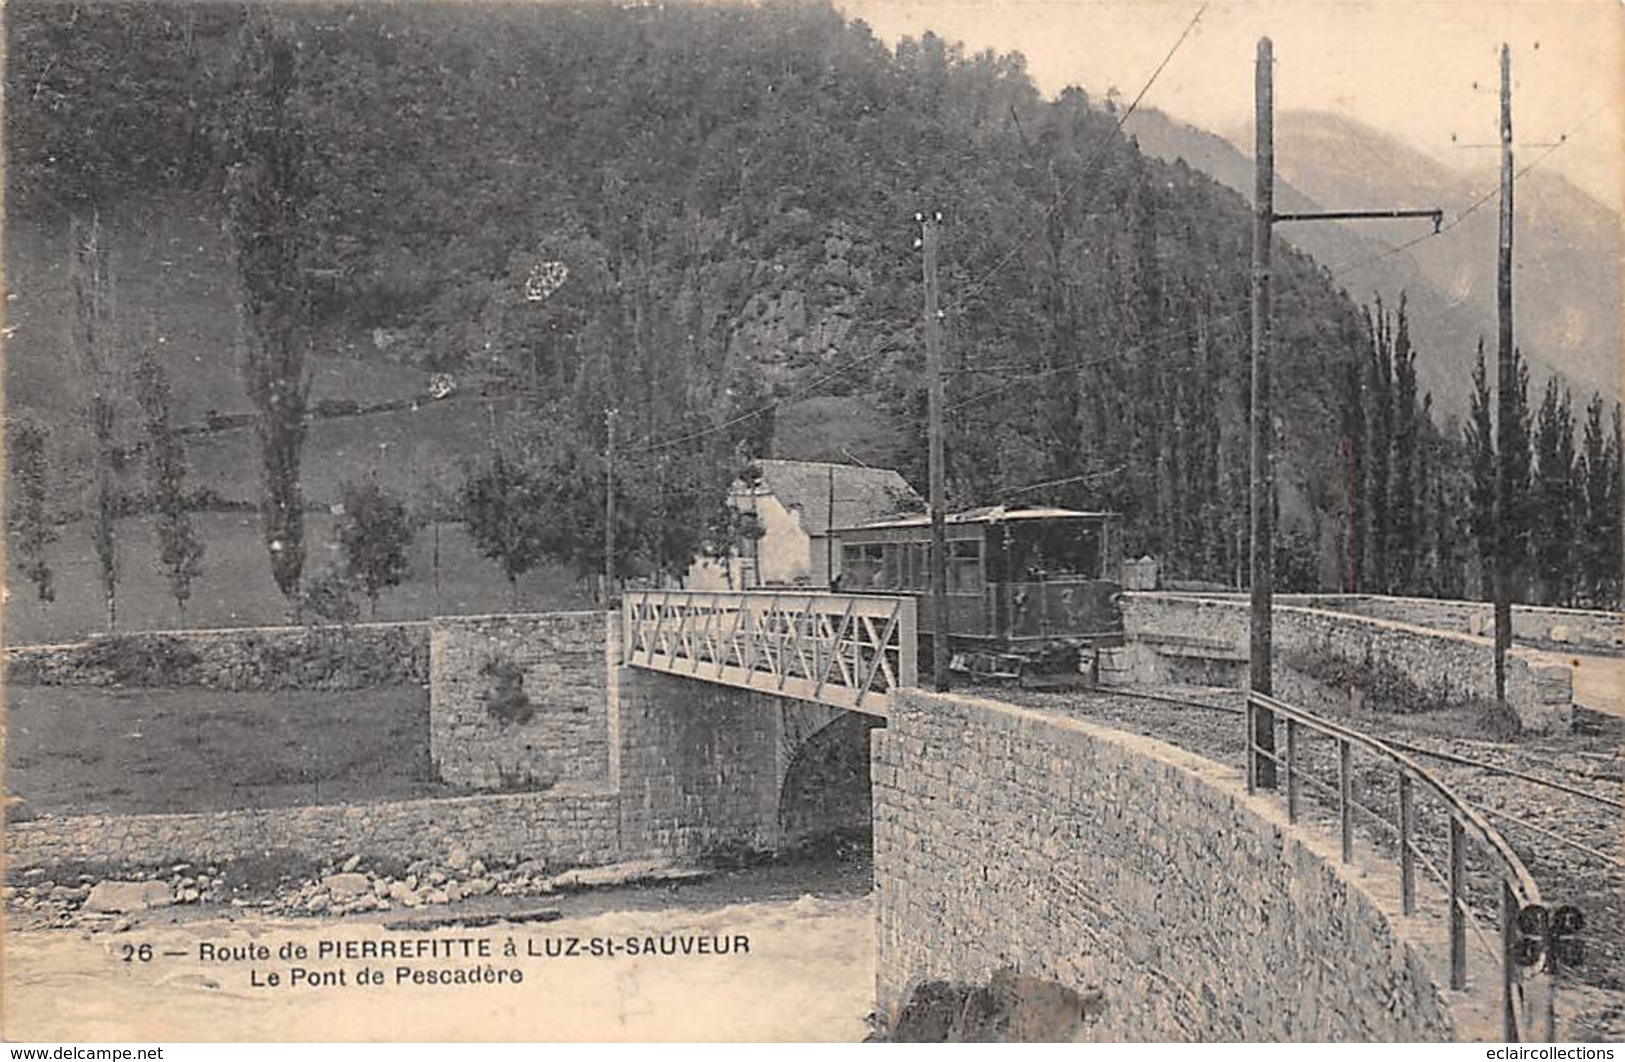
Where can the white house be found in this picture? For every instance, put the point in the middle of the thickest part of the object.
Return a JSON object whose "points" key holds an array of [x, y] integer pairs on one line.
{"points": [[797, 502]]}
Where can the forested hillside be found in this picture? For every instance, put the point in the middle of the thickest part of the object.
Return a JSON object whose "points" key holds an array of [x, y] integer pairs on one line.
{"points": [[704, 216]]}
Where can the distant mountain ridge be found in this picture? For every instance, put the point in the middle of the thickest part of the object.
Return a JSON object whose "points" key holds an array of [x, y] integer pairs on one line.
{"points": [[1568, 276]]}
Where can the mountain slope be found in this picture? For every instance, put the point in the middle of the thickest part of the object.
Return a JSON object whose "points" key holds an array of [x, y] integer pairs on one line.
{"points": [[1567, 282], [729, 232]]}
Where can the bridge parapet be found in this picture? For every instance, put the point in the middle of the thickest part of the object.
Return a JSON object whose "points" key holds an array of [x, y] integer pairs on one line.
{"points": [[851, 651], [1147, 880]]}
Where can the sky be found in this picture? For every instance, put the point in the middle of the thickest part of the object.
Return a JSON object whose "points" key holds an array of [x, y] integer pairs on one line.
{"points": [[1407, 67]]}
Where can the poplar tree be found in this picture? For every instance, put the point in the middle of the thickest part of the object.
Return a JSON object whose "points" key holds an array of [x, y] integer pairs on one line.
{"points": [[1553, 531], [93, 344], [267, 188], [1479, 435], [31, 530], [1404, 500], [1379, 468], [180, 552]]}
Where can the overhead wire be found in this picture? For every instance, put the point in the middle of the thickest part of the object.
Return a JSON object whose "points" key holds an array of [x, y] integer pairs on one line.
{"points": [[1345, 268], [888, 343], [1339, 270]]}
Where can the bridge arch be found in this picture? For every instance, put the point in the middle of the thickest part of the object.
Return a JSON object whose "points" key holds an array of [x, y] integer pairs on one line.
{"points": [[824, 791]]}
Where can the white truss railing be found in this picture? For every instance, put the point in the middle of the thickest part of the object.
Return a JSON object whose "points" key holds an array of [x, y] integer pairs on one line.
{"points": [[850, 651]]}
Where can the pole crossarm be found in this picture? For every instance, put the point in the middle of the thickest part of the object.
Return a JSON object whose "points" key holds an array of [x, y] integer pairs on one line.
{"points": [[852, 651], [1436, 216]]}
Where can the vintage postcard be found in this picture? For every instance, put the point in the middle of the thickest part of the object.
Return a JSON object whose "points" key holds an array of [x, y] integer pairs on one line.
{"points": [[902, 520]]}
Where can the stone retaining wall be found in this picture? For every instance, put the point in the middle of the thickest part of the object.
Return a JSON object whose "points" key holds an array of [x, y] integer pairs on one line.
{"points": [[361, 656], [1114, 864], [1580, 629], [570, 825], [700, 766], [1400, 665]]}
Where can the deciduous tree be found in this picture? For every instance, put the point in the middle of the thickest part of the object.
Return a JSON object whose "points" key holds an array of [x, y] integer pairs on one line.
{"points": [[94, 345], [374, 531]]}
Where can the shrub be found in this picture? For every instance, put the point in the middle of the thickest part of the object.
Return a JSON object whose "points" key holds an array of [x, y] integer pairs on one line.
{"points": [[506, 700], [329, 597]]}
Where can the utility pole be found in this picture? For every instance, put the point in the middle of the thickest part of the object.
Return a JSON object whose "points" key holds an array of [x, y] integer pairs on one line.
{"points": [[1506, 383], [939, 530], [829, 532], [1261, 556], [1262, 486], [609, 508]]}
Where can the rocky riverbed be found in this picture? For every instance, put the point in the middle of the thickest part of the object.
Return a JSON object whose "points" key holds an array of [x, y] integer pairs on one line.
{"points": [[38, 899]]}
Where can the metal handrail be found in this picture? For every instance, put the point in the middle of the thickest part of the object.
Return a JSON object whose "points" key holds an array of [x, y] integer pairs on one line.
{"points": [[1519, 893], [846, 650]]}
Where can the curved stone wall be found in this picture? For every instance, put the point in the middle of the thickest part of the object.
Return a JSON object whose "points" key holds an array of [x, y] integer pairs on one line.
{"points": [[1138, 875]]}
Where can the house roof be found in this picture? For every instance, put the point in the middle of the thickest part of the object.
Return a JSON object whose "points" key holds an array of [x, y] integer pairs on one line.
{"points": [[986, 515], [861, 494]]}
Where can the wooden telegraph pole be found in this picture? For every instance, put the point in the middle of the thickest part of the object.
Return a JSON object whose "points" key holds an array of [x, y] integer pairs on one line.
{"points": [[829, 532], [1506, 384], [609, 508], [1260, 764], [1262, 486], [939, 533]]}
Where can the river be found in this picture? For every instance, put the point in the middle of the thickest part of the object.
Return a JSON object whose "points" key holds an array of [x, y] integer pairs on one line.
{"points": [[777, 954]]}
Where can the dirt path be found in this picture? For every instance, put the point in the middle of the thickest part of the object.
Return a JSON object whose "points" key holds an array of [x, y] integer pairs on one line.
{"points": [[1599, 683]]}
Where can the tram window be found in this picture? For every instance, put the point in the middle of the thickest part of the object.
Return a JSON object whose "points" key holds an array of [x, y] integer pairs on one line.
{"points": [[892, 567], [964, 567], [860, 566], [1058, 549]]}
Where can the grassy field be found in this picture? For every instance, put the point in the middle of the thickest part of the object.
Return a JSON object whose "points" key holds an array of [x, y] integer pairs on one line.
{"points": [[406, 450], [236, 588], [173, 274], [83, 751]]}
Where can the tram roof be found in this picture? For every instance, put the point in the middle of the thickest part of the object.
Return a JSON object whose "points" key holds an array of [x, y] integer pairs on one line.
{"points": [[989, 514]]}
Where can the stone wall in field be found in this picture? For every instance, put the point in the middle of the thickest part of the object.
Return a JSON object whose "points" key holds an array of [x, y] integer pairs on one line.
{"points": [[568, 825], [359, 656], [1135, 874], [1319, 654], [522, 700]]}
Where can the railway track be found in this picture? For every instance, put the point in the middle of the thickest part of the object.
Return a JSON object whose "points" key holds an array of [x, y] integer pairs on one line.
{"points": [[1560, 803]]}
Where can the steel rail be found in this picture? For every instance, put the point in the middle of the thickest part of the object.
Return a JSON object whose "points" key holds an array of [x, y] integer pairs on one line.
{"points": [[1403, 746], [1465, 761], [1553, 835]]}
